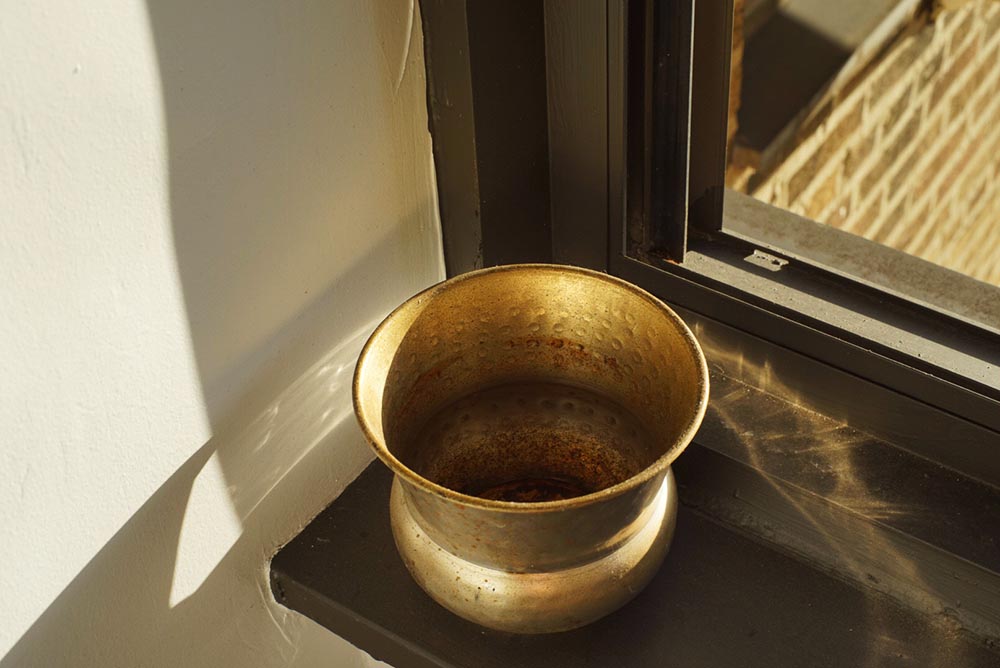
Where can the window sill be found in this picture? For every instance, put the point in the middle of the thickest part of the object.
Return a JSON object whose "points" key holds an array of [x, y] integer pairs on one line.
{"points": [[764, 480]]}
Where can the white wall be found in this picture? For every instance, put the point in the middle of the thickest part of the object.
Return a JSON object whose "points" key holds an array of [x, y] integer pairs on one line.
{"points": [[204, 208]]}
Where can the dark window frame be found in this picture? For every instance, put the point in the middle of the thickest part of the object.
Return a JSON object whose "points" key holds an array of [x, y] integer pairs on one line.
{"points": [[703, 250], [947, 309]]}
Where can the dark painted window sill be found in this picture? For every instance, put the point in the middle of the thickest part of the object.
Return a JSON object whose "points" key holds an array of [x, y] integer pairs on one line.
{"points": [[800, 541]]}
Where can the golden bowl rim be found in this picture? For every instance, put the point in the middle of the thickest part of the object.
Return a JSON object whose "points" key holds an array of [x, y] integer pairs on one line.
{"points": [[659, 466]]}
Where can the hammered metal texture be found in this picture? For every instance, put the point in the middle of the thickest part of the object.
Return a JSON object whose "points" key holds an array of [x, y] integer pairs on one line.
{"points": [[514, 373]]}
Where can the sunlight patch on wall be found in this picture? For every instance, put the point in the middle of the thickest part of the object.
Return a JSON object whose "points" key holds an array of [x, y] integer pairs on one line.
{"points": [[210, 529]]}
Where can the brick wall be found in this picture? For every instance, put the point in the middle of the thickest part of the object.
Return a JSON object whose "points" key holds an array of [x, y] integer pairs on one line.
{"points": [[911, 156]]}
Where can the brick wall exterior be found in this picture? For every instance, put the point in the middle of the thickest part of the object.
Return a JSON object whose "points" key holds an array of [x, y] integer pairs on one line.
{"points": [[911, 156]]}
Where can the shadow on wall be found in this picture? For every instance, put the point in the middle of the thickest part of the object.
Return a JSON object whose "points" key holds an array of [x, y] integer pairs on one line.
{"points": [[302, 207], [130, 605]]}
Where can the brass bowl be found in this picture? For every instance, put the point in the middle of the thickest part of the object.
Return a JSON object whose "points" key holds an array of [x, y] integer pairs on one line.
{"points": [[530, 414]]}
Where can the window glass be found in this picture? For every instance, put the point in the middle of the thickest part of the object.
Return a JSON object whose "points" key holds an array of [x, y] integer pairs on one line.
{"points": [[877, 117]]}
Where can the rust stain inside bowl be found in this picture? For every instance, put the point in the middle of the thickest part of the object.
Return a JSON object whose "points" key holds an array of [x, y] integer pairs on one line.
{"points": [[531, 490], [530, 442]]}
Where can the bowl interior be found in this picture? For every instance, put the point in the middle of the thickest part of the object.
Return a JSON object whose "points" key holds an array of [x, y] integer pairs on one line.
{"points": [[535, 383]]}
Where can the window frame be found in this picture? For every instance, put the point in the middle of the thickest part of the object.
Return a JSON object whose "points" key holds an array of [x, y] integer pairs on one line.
{"points": [[691, 250], [727, 228]]}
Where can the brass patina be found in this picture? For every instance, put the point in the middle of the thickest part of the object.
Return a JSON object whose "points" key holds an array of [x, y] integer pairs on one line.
{"points": [[530, 414]]}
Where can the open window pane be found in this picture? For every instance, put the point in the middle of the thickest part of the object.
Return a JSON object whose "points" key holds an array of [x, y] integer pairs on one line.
{"points": [[877, 117]]}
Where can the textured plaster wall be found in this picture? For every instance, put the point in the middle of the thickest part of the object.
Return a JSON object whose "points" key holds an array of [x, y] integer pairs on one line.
{"points": [[204, 209]]}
